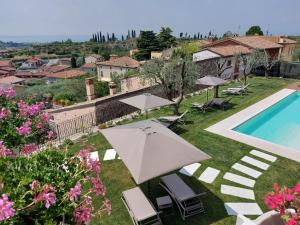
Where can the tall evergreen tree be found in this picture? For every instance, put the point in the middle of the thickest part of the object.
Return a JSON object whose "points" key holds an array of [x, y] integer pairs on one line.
{"points": [[128, 35], [180, 34], [113, 38], [146, 43], [201, 37], [108, 38], [198, 36], [122, 37], [103, 39], [165, 38]]}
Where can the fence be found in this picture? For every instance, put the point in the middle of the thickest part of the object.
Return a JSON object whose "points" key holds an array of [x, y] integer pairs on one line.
{"points": [[74, 126], [290, 69]]}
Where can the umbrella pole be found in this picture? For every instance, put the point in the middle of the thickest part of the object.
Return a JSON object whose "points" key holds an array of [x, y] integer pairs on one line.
{"points": [[146, 113], [149, 187]]}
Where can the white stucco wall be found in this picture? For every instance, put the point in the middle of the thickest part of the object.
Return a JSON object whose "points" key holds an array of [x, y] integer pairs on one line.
{"points": [[105, 72], [90, 59], [204, 55]]}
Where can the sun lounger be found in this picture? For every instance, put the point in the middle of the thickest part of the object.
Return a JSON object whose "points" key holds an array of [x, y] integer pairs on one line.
{"points": [[140, 208], [171, 120], [236, 90], [186, 199], [202, 107], [221, 103]]}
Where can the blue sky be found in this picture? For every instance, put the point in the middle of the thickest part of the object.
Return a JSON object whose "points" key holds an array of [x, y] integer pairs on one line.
{"points": [[77, 17]]}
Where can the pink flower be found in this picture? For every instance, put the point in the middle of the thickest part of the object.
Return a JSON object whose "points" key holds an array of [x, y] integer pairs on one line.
{"points": [[83, 213], [107, 206], [75, 192], [84, 155], [33, 110], [35, 185], [94, 165], [6, 209], [3, 150], [1, 92], [98, 187], [22, 106], [276, 187], [47, 195], [292, 221], [45, 117], [29, 149], [10, 92], [50, 135], [4, 113], [25, 129], [297, 188]]}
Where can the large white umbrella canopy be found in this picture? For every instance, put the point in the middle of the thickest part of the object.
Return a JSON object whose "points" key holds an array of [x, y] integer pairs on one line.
{"points": [[149, 149], [146, 101], [211, 81]]}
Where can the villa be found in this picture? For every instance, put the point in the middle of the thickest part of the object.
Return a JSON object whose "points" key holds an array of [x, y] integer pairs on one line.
{"points": [[118, 65]]}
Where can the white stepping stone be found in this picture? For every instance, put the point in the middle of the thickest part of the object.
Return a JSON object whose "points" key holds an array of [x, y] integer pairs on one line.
{"points": [[209, 175], [246, 170], [190, 169], [233, 208], [263, 155], [110, 154], [94, 155], [255, 162], [238, 192], [239, 179]]}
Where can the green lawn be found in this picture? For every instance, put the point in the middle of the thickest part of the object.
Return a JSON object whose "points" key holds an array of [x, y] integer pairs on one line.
{"points": [[224, 153]]}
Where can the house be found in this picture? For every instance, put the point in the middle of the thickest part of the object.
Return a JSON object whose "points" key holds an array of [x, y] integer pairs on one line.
{"points": [[3, 73], [11, 80], [93, 58], [223, 51], [56, 69], [32, 63], [165, 54], [224, 55], [5, 63], [30, 74], [118, 65], [7, 70], [65, 75], [89, 68], [61, 61], [132, 52]]}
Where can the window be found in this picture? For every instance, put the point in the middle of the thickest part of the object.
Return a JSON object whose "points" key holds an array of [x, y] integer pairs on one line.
{"points": [[229, 63]]}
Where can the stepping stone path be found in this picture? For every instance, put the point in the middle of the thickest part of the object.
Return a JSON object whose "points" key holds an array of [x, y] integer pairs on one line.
{"points": [[245, 208], [246, 170], [239, 179], [238, 192], [94, 155], [110, 154], [263, 155], [255, 162], [190, 169], [209, 175], [233, 208]]}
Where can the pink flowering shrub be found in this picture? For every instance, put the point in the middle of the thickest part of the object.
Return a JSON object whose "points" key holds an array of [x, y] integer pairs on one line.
{"points": [[23, 125], [50, 187], [287, 202]]}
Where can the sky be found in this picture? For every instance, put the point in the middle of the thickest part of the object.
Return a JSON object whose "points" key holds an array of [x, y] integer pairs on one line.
{"points": [[83, 17]]}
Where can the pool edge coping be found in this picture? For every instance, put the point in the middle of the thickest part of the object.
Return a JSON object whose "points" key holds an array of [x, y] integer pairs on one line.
{"points": [[226, 126]]}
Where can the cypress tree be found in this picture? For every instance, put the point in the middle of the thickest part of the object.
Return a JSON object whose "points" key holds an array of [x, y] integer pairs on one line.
{"points": [[128, 35], [122, 37]]}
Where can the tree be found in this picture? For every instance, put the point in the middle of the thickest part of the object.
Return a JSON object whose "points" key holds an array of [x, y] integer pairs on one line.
{"points": [[254, 30], [73, 62], [228, 34], [122, 37], [165, 38], [181, 35], [268, 62], [174, 77], [128, 35], [146, 43], [113, 37]]}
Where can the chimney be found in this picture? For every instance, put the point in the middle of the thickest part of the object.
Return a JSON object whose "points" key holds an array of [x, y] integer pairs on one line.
{"points": [[112, 88], [90, 91]]}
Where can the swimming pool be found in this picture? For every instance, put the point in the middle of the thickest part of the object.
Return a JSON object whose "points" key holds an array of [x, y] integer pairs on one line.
{"points": [[279, 124]]}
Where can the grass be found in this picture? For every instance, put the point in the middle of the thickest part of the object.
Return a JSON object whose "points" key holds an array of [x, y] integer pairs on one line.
{"points": [[224, 152]]}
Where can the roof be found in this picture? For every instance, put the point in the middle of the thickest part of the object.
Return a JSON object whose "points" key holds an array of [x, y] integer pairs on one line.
{"points": [[95, 56], [285, 40], [8, 68], [28, 74], [123, 61], [256, 42], [10, 80], [5, 63], [34, 60], [56, 69], [230, 50], [67, 74], [3, 72], [89, 65]]}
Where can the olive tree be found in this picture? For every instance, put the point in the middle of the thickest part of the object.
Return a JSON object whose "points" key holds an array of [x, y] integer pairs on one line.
{"points": [[174, 77]]}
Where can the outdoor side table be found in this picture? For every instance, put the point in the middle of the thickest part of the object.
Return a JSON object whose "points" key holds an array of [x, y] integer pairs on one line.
{"points": [[165, 205]]}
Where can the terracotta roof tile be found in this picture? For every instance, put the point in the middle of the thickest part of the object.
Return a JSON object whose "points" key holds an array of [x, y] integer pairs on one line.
{"points": [[67, 74], [123, 61], [10, 80], [89, 65], [256, 42], [5, 63], [56, 69], [230, 50]]}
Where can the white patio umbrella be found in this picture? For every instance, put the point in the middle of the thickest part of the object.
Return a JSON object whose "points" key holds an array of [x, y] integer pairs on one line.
{"points": [[211, 81], [146, 101], [150, 150]]}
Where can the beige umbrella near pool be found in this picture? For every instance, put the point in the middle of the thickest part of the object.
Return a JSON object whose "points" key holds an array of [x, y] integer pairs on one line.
{"points": [[146, 101], [211, 81], [150, 150]]}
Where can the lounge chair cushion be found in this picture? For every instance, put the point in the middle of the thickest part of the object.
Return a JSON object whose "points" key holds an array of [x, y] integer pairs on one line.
{"points": [[139, 204], [180, 189]]}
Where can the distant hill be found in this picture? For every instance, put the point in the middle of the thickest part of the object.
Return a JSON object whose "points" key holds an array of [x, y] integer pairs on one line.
{"points": [[10, 44]]}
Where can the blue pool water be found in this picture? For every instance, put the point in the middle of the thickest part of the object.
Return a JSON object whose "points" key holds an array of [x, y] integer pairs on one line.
{"points": [[279, 124]]}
